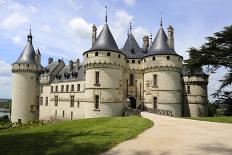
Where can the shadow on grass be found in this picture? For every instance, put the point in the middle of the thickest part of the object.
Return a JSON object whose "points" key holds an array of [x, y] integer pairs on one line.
{"points": [[55, 142]]}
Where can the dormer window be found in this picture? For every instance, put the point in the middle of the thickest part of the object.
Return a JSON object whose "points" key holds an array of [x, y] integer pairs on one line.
{"points": [[96, 53], [132, 51], [108, 54]]}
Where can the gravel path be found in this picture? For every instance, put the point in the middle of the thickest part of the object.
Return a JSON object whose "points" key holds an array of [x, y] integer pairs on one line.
{"points": [[176, 136]]}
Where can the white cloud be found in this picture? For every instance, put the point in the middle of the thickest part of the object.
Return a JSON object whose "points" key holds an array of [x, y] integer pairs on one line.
{"points": [[5, 69], [16, 39], [46, 28], [81, 27], [129, 2], [139, 32], [13, 21]]}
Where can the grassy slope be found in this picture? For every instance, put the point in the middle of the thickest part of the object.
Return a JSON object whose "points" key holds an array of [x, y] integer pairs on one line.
{"points": [[223, 119], [87, 136]]}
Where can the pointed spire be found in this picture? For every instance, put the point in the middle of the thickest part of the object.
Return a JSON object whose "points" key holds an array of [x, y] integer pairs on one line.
{"points": [[130, 27], [161, 20], [150, 38], [29, 36], [106, 15]]}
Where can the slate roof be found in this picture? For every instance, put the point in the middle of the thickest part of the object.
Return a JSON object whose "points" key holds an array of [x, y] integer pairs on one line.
{"points": [[75, 74], [160, 46], [105, 41], [131, 48], [28, 54], [196, 71], [48, 69]]}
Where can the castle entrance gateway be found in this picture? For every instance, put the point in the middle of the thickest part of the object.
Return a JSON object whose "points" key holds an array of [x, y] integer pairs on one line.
{"points": [[132, 103]]}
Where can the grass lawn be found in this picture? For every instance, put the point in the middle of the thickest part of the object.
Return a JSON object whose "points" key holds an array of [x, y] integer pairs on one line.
{"points": [[86, 136], [223, 119]]}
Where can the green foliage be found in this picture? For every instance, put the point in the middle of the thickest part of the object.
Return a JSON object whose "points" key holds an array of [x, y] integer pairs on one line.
{"points": [[5, 105], [87, 136], [212, 109], [216, 53]]}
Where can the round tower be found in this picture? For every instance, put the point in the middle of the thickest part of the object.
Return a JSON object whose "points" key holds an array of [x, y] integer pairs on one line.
{"points": [[195, 93], [162, 76], [104, 65], [25, 85]]}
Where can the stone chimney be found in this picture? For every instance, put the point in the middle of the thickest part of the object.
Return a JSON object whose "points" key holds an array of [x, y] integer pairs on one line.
{"points": [[145, 42], [77, 63], [71, 64], [171, 37], [50, 60], [94, 33], [37, 56]]}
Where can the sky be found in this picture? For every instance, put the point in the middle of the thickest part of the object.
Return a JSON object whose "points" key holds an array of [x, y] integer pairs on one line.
{"points": [[62, 28]]}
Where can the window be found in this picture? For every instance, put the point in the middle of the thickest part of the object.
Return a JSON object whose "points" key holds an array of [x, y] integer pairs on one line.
{"points": [[72, 87], [87, 55], [55, 113], [96, 53], [168, 57], [133, 61], [96, 105], [155, 80], [56, 88], [78, 104], [72, 101], [188, 89], [139, 61], [41, 89], [127, 61], [154, 102], [97, 77], [51, 89], [56, 100], [32, 108], [62, 88], [144, 60], [153, 58], [108, 53], [63, 113], [78, 87], [131, 79], [67, 88], [119, 55], [46, 102], [41, 100], [71, 115]]}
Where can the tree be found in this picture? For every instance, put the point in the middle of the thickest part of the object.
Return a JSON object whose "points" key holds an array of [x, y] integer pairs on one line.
{"points": [[215, 53]]}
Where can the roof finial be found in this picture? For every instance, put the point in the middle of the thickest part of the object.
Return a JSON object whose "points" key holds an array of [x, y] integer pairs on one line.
{"points": [[150, 38], [130, 27], [161, 21], [29, 36], [106, 14]]}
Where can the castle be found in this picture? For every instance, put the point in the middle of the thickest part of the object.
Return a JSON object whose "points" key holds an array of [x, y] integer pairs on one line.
{"points": [[108, 79]]}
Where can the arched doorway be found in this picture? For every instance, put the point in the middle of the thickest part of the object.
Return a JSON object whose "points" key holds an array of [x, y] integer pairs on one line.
{"points": [[132, 102]]}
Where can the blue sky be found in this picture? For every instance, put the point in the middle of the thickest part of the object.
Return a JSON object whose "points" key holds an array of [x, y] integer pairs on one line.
{"points": [[62, 28]]}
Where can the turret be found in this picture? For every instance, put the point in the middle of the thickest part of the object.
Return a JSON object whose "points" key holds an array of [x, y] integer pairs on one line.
{"points": [[104, 64], [162, 75], [25, 84]]}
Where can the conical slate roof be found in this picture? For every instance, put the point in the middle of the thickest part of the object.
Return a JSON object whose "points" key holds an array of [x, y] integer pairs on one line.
{"points": [[131, 48], [105, 41], [160, 46], [28, 54]]}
